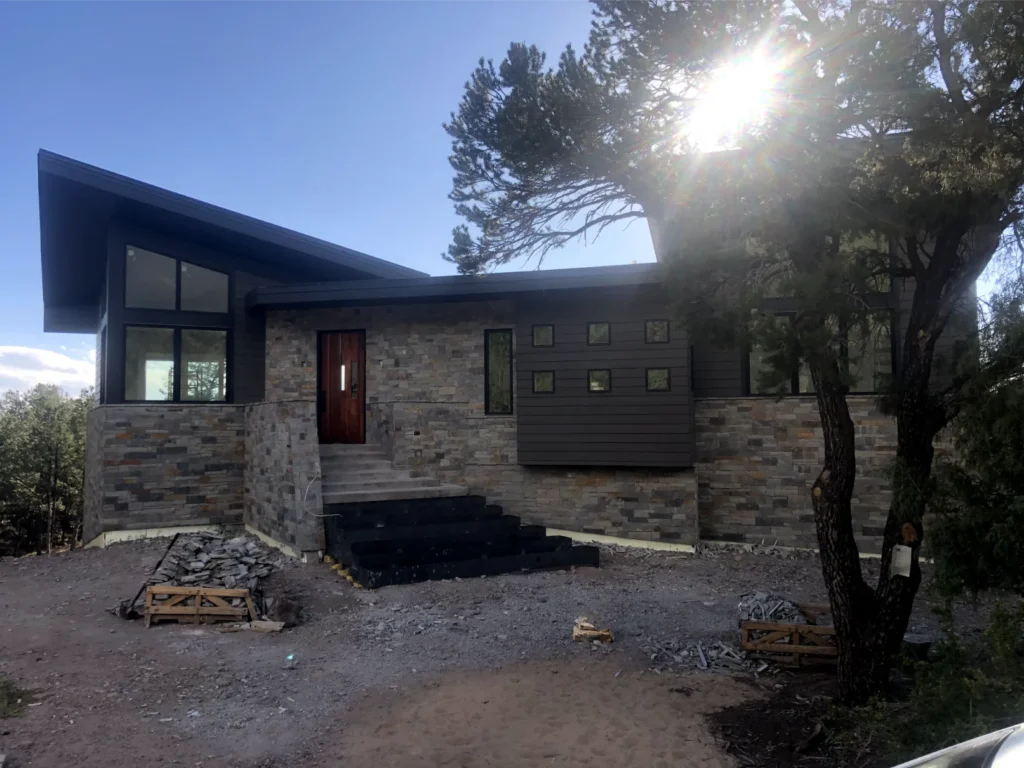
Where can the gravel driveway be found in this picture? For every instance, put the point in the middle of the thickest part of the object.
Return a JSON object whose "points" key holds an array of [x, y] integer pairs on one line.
{"points": [[443, 673]]}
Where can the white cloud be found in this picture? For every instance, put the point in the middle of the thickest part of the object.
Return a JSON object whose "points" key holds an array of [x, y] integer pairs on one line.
{"points": [[23, 367]]}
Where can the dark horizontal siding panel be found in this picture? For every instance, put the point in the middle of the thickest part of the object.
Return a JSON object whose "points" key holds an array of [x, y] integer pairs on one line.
{"points": [[678, 412], [639, 421], [603, 437], [717, 371], [615, 459], [646, 357], [627, 426]]}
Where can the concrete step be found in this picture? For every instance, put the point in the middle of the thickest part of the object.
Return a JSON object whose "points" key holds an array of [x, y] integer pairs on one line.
{"points": [[351, 449], [338, 485], [377, 494], [338, 465], [368, 475]]}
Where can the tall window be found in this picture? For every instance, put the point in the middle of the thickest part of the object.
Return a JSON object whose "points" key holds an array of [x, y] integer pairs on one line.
{"points": [[498, 371], [865, 352], [174, 361]]}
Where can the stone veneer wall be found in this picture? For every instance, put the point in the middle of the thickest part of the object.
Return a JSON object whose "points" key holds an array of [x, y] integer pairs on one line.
{"points": [[282, 466], [425, 385], [759, 456], [158, 465]]}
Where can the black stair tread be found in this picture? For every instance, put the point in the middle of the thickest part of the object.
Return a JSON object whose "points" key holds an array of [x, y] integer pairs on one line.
{"points": [[454, 550], [455, 529], [402, 514], [504, 528], [559, 558]]}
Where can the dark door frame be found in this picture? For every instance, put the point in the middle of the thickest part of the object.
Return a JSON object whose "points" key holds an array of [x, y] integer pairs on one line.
{"points": [[319, 373]]}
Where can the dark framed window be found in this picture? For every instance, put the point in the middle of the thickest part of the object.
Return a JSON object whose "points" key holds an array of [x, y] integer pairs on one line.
{"points": [[599, 333], [599, 380], [659, 379], [155, 281], [498, 371], [865, 352], [543, 382], [150, 280], [175, 364], [656, 331], [543, 336]]}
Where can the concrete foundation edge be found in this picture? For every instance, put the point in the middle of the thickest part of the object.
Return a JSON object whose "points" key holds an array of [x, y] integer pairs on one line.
{"points": [[597, 538], [306, 556], [116, 537]]}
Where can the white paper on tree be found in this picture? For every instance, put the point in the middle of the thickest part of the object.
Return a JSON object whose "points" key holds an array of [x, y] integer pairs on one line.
{"points": [[901, 561]]}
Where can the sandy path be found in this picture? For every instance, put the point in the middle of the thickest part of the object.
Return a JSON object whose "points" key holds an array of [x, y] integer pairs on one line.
{"points": [[541, 714]]}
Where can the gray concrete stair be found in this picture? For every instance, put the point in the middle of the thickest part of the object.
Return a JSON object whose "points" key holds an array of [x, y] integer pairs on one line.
{"points": [[362, 473]]}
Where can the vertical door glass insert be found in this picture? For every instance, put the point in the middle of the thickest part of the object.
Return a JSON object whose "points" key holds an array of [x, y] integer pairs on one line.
{"points": [[149, 280], [498, 371], [149, 363], [203, 290], [204, 365]]}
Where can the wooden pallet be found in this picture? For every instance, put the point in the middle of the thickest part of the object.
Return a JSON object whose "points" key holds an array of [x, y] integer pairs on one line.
{"points": [[197, 605], [796, 640]]}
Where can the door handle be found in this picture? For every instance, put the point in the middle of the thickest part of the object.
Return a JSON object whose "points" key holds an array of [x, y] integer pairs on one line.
{"points": [[355, 379]]}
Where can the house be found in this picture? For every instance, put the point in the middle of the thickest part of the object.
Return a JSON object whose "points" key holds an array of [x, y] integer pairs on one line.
{"points": [[248, 374]]}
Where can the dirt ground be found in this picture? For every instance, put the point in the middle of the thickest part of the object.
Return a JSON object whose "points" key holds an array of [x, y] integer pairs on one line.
{"points": [[465, 673]]}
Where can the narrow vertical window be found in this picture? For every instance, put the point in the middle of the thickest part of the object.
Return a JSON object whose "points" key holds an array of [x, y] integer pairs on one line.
{"points": [[498, 371]]}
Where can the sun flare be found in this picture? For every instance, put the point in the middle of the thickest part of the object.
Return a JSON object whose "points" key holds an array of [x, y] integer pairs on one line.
{"points": [[736, 97]]}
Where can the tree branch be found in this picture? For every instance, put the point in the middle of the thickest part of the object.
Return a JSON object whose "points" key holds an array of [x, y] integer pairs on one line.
{"points": [[945, 57]]}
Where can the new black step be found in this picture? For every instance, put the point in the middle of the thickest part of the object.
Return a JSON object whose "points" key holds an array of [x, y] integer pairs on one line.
{"points": [[449, 551], [404, 512], [353, 542], [559, 558]]}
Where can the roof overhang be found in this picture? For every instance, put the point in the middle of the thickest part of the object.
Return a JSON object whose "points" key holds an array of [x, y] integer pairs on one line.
{"points": [[77, 203], [452, 288]]}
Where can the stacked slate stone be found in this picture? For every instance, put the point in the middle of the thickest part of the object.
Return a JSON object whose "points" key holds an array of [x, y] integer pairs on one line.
{"points": [[762, 606], [210, 559]]}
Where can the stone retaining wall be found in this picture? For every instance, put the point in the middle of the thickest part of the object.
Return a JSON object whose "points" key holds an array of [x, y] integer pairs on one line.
{"points": [[159, 465], [282, 467], [759, 456]]}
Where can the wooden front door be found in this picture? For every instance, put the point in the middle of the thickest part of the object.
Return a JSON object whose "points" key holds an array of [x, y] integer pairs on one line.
{"points": [[342, 391]]}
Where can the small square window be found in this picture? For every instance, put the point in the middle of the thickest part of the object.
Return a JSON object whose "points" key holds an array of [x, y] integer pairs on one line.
{"points": [[656, 332], [543, 335], [599, 381], [543, 382], [599, 333], [658, 380]]}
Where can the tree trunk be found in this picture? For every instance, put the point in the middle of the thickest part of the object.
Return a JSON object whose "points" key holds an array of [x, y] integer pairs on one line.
{"points": [[859, 672]]}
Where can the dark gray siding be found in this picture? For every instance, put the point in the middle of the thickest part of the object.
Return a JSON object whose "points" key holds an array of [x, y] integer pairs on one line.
{"points": [[627, 426], [248, 361], [718, 371]]}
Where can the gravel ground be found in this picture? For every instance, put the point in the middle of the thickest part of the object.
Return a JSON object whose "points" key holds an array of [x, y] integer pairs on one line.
{"points": [[110, 693]]}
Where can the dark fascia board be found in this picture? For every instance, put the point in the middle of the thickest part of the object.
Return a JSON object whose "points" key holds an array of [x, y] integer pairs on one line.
{"points": [[448, 288], [70, 319], [150, 195]]}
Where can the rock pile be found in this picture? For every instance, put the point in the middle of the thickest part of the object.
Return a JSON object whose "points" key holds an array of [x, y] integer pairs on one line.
{"points": [[711, 656], [210, 559], [762, 606]]}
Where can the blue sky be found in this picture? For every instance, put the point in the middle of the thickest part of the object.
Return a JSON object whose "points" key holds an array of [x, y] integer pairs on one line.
{"points": [[322, 117]]}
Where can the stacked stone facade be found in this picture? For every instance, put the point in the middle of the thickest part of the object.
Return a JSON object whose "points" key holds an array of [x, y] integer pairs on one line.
{"points": [[282, 467], [758, 458], [151, 466], [425, 388]]}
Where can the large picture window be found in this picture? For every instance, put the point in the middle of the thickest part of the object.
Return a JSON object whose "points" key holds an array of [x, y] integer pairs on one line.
{"points": [[498, 371], [175, 364]]}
